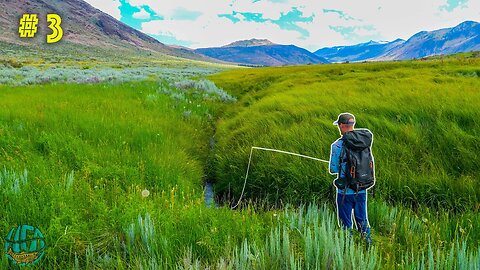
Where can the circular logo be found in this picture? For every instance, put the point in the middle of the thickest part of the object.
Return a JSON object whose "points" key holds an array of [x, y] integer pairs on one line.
{"points": [[25, 245]]}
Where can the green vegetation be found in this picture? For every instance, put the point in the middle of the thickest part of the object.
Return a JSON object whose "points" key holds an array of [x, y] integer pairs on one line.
{"points": [[75, 55], [464, 55], [424, 117], [76, 156]]}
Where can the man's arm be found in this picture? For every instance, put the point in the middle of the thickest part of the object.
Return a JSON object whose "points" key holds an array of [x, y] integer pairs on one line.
{"points": [[334, 158]]}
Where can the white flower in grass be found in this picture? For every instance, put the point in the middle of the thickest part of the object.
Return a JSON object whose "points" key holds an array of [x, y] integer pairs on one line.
{"points": [[145, 193]]}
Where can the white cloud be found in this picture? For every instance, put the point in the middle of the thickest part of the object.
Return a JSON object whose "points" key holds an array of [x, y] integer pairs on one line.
{"points": [[269, 10], [142, 14], [210, 30], [397, 19], [111, 7], [168, 8], [385, 20], [217, 31]]}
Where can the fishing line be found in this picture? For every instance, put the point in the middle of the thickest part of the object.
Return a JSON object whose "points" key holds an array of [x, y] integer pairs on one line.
{"points": [[271, 150]]}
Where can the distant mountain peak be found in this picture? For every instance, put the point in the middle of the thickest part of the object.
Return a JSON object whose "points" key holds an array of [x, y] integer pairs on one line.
{"points": [[262, 53], [461, 38], [466, 25], [371, 42], [250, 43], [375, 42]]}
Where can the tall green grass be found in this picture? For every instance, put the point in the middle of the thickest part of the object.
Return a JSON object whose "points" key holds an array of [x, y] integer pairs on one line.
{"points": [[424, 117], [75, 158], [308, 238], [104, 133]]}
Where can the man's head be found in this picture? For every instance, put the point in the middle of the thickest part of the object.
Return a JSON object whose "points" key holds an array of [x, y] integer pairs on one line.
{"points": [[345, 122]]}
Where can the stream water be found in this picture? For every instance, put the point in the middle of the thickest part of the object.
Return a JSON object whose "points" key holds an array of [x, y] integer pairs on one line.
{"points": [[210, 195]]}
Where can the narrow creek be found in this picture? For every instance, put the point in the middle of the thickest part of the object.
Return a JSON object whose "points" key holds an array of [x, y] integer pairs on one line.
{"points": [[208, 188], [210, 196]]}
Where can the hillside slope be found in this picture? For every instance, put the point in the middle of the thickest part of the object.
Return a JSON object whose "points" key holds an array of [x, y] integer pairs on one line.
{"points": [[82, 24], [464, 37], [360, 52]]}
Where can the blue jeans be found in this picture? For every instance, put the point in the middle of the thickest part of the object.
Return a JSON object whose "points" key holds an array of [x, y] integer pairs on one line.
{"points": [[356, 203]]}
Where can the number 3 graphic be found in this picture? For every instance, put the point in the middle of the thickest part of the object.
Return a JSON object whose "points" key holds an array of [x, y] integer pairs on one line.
{"points": [[55, 22]]}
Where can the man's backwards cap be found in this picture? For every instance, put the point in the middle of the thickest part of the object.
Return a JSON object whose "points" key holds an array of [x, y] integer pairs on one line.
{"points": [[345, 118]]}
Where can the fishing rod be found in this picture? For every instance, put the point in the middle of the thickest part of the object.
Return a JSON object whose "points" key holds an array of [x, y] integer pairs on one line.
{"points": [[271, 150]]}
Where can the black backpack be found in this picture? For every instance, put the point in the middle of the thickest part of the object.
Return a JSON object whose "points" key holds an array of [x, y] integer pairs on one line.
{"points": [[356, 152]]}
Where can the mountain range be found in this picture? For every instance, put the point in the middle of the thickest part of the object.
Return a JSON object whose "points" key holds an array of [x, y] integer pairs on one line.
{"points": [[262, 52], [87, 26], [461, 38], [464, 37]]}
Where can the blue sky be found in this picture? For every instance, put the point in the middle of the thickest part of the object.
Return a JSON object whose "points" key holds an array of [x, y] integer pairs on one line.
{"points": [[311, 24]]}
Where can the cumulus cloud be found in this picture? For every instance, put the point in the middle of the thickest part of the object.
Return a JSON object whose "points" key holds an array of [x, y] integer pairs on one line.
{"points": [[111, 7], [218, 31], [205, 23], [141, 15], [169, 8], [397, 19], [268, 9]]}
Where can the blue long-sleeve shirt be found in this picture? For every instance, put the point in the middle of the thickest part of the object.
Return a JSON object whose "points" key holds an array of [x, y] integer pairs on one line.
{"points": [[335, 152]]}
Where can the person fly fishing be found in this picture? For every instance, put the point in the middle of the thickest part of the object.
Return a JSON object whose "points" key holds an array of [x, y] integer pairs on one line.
{"points": [[351, 160]]}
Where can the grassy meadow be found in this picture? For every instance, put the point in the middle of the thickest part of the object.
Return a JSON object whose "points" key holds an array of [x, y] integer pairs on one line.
{"points": [[81, 145], [425, 119]]}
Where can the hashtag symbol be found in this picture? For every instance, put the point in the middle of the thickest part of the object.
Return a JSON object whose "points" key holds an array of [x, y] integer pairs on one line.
{"points": [[28, 25]]}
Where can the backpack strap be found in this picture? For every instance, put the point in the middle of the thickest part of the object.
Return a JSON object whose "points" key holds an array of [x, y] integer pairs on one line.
{"points": [[341, 159]]}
